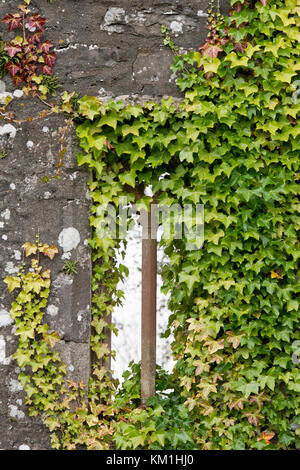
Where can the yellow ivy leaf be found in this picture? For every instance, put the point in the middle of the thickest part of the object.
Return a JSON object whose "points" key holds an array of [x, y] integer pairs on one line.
{"points": [[30, 249], [276, 275], [92, 420], [46, 274], [12, 283], [211, 64]]}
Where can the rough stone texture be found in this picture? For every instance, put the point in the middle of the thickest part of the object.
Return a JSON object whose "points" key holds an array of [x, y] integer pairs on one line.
{"points": [[105, 48], [27, 207]]}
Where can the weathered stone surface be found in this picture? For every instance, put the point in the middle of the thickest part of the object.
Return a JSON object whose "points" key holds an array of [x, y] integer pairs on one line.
{"points": [[75, 355], [105, 48], [28, 207]]}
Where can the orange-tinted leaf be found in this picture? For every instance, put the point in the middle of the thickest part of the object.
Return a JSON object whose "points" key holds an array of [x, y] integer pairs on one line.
{"points": [[266, 437], [210, 49], [50, 251]]}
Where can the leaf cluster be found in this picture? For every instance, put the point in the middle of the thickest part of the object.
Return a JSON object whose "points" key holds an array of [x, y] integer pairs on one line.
{"points": [[232, 145], [31, 59]]}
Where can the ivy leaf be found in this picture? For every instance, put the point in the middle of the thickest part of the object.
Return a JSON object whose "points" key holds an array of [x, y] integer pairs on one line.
{"points": [[250, 49], [267, 380], [92, 420], [12, 283], [276, 274], [35, 37], [50, 251], [108, 120], [285, 75], [50, 58], [137, 440], [248, 388], [46, 274], [51, 338], [13, 21], [23, 379], [211, 65], [292, 305], [36, 21], [13, 68], [233, 339], [25, 332], [237, 61], [214, 346], [47, 70], [18, 79], [52, 424], [266, 436], [181, 436], [46, 46], [30, 249], [99, 142], [186, 154], [12, 49], [189, 279], [84, 159], [22, 357], [211, 50], [144, 203], [89, 106], [30, 390], [100, 350], [128, 178]]}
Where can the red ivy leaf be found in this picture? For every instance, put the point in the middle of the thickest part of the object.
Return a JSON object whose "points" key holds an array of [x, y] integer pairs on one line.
{"points": [[36, 21], [12, 49], [18, 79], [264, 2], [46, 46], [13, 21], [35, 37], [238, 7], [47, 69], [241, 46], [30, 69], [50, 58], [13, 68], [28, 48]]}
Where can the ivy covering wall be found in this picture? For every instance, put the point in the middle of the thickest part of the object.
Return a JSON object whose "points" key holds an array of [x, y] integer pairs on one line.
{"points": [[232, 145]]}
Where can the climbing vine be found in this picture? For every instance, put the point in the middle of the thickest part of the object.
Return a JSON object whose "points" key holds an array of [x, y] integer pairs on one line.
{"points": [[232, 144], [27, 57]]}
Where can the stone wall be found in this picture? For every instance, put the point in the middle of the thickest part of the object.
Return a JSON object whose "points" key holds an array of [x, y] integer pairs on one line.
{"points": [[105, 48]]}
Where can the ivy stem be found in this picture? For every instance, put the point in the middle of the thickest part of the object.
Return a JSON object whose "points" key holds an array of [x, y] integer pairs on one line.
{"points": [[23, 26], [45, 102]]}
